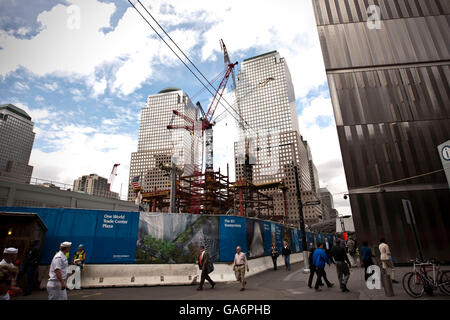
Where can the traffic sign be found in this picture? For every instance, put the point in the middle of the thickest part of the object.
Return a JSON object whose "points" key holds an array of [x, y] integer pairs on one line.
{"points": [[444, 155]]}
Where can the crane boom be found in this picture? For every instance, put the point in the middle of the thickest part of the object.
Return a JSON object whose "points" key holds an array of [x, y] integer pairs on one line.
{"points": [[218, 95]]}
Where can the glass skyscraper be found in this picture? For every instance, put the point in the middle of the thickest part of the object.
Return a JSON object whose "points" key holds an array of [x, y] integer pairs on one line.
{"points": [[266, 100], [388, 69], [16, 142], [158, 145]]}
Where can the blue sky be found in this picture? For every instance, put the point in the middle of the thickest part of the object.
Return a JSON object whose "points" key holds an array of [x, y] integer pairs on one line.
{"points": [[83, 70]]}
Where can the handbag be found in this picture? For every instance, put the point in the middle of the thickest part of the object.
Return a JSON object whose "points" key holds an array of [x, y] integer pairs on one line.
{"points": [[209, 267]]}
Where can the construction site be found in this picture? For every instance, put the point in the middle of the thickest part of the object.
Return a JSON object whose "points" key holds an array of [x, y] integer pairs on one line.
{"points": [[206, 191]]}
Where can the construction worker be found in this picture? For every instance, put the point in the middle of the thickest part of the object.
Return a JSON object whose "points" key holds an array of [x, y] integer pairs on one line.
{"points": [[79, 257]]}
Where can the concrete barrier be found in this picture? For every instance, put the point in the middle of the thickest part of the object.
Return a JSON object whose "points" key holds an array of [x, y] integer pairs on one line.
{"points": [[128, 275]]}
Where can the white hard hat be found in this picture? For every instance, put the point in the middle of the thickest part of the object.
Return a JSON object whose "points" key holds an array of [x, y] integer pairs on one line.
{"points": [[11, 250], [65, 244]]}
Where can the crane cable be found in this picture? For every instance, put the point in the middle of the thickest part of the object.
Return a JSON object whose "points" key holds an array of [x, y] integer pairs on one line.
{"points": [[183, 55], [392, 182]]}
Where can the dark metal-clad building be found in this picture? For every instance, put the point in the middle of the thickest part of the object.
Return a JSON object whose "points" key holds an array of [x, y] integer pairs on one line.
{"points": [[389, 74]]}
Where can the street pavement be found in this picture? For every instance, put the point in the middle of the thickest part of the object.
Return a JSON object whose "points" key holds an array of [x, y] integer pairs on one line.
{"points": [[268, 285]]}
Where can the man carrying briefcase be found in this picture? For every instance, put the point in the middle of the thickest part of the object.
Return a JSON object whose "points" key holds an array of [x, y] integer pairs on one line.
{"points": [[206, 265]]}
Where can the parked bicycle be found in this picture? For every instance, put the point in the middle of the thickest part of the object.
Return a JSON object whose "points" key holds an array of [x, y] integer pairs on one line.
{"points": [[426, 277]]}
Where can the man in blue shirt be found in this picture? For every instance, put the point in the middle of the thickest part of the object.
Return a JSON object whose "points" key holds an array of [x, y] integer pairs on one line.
{"points": [[319, 260]]}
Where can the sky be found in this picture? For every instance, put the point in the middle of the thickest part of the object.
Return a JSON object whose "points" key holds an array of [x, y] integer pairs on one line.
{"points": [[83, 70]]}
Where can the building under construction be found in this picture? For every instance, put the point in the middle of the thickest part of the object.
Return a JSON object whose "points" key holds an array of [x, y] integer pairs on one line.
{"points": [[213, 193]]}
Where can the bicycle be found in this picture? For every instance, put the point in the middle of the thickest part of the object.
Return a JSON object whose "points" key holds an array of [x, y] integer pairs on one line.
{"points": [[426, 277]]}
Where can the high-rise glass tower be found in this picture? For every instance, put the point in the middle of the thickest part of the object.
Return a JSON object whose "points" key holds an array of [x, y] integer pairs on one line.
{"points": [[16, 142], [159, 146], [388, 69], [266, 100]]}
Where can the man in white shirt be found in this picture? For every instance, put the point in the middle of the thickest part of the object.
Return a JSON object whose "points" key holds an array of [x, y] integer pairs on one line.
{"points": [[386, 258], [56, 285], [239, 265], [9, 255], [7, 275]]}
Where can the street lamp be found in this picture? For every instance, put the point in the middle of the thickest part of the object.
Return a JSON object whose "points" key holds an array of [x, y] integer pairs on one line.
{"points": [[300, 210]]}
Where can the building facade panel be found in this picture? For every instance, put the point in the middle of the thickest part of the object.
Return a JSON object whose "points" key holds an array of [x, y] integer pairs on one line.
{"points": [[267, 103], [158, 145], [390, 90], [16, 143], [412, 40]]}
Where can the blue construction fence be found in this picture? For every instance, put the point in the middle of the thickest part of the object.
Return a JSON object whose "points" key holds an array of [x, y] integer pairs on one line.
{"points": [[123, 237]]}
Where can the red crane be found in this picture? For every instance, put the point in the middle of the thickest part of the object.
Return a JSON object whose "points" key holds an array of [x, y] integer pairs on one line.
{"points": [[206, 122], [205, 126]]}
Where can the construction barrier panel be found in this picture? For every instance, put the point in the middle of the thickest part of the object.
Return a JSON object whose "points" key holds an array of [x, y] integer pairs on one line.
{"points": [[115, 237], [107, 236]]}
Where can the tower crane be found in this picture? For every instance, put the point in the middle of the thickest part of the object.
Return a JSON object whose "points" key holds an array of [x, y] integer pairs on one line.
{"points": [[112, 176], [206, 120]]}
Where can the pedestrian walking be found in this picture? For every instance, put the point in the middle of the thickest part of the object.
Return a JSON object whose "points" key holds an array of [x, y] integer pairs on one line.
{"points": [[79, 257], [56, 285], [30, 266], [342, 241], [327, 247], [274, 254], [312, 267], [319, 260], [7, 274], [366, 255], [205, 264], [239, 265], [286, 253], [386, 258], [351, 247], [343, 264], [9, 256]]}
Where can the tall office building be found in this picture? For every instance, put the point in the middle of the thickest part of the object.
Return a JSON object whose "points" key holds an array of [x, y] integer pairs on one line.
{"points": [[16, 142], [389, 73], [326, 200], [267, 103], [94, 185], [158, 146], [312, 213]]}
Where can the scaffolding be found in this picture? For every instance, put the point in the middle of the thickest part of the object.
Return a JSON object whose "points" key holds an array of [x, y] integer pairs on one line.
{"points": [[251, 201], [212, 193]]}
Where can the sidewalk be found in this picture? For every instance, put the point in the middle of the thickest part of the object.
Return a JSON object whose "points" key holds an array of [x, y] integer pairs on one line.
{"points": [[267, 285]]}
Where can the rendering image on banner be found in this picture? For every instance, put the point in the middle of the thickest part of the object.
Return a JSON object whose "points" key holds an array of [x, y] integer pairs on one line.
{"points": [[287, 236], [255, 238], [175, 238], [232, 233]]}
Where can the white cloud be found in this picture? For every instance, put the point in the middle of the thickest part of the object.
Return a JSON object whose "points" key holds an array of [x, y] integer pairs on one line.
{"points": [[37, 114], [99, 87], [80, 151], [134, 49], [19, 86], [51, 86]]}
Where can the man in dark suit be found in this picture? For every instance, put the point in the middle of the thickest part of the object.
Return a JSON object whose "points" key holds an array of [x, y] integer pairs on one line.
{"points": [[205, 265]]}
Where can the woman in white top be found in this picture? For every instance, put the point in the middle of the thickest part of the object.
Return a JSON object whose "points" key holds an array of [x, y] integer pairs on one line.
{"points": [[386, 258]]}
